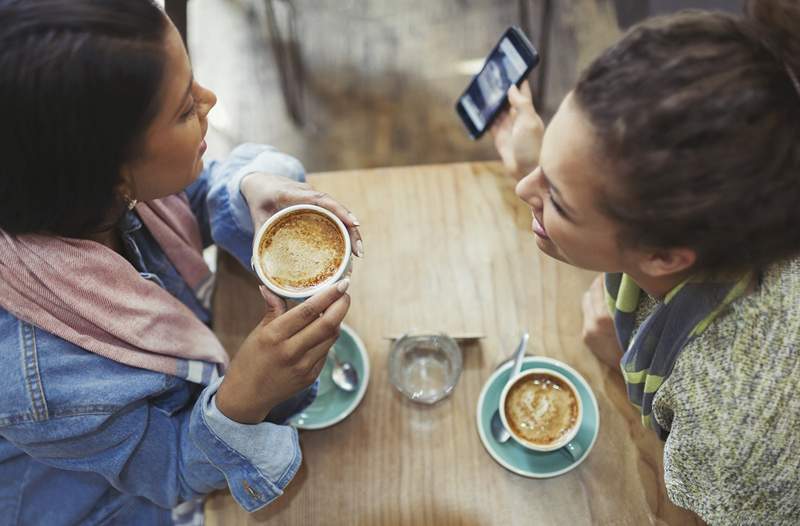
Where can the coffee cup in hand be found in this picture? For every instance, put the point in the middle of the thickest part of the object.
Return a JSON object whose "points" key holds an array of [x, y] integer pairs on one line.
{"points": [[300, 250], [542, 410]]}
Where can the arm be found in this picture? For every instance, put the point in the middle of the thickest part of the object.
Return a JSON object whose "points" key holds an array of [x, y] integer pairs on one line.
{"points": [[599, 334], [518, 133], [159, 445]]}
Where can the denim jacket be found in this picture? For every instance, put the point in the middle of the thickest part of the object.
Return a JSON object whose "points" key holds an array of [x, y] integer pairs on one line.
{"points": [[86, 440]]}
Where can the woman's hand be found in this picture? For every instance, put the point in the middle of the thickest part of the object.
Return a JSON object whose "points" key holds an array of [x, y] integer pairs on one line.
{"points": [[283, 354], [599, 334], [266, 194], [518, 133]]}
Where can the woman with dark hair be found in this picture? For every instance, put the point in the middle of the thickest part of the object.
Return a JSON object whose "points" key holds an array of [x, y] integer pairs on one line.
{"points": [[113, 408], [674, 168]]}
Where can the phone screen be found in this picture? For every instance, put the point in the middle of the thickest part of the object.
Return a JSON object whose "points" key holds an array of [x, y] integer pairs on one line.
{"points": [[486, 94]]}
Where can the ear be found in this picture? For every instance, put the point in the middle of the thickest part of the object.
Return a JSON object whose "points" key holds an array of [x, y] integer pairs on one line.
{"points": [[666, 262]]}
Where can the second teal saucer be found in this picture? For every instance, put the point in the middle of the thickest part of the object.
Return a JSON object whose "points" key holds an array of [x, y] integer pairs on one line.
{"points": [[515, 457]]}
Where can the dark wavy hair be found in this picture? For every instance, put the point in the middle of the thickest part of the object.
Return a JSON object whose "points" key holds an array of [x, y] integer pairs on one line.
{"points": [[700, 120], [79, 84]]}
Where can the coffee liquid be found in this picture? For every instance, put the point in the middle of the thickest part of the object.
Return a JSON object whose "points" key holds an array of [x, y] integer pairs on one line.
{"points": [[301, 250], [541, 409]]}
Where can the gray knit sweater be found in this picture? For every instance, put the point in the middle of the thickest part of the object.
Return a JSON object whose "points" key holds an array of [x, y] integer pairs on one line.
{"points": [[732, 406]]}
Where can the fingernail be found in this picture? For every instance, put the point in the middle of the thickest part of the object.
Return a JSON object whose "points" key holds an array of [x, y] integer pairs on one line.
{"points": [[342, 285], [354, 219], [359, 249], [263, 290]]}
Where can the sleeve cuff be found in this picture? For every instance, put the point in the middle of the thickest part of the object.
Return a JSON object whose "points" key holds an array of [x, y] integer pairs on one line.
{"points": [[265, 159], [258, 461]]}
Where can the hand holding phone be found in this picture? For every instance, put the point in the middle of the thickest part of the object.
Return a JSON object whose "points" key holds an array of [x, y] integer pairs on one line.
{"points": [[518, 133], [508, 64]]}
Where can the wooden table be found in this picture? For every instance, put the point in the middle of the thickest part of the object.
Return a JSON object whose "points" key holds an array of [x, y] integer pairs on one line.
{"points": [[450, 248]]}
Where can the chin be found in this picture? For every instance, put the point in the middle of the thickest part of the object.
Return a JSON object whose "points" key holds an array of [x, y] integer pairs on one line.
{"points": [[548, 247]]}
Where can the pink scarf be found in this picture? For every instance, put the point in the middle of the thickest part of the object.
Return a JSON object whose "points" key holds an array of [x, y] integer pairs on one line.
{"points": [[91, 296]]}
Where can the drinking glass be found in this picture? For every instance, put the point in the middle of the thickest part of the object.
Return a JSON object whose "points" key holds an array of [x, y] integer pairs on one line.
{"points": [[425, 367]]}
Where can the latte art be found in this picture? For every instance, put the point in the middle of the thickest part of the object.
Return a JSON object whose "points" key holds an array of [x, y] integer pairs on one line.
{"points": [[301, 250], [541, 409]]}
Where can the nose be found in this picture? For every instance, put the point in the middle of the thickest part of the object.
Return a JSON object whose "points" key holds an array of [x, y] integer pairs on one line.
{"points": [[208, 99], [529, 189]]}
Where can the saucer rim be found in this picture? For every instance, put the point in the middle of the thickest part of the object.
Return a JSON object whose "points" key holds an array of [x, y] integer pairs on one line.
{"points": [[356, 401], [497, 458]]}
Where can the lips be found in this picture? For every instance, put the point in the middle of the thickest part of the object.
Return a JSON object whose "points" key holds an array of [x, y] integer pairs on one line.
{"points": [[538, 228], [203, 147]]}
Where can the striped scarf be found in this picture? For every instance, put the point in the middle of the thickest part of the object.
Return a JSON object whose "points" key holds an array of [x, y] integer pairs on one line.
{"points": [[88, 295], [650, 355]]}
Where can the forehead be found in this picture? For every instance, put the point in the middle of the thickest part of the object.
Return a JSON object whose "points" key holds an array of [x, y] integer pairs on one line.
{"points": [[177, 71], [570, 155]]}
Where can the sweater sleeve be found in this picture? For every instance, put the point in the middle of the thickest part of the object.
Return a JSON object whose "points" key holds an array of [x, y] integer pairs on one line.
{"points": [[733, 452]]}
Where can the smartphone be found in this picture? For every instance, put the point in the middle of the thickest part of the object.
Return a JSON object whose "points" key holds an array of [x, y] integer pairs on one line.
{"points": [[509, 63]]}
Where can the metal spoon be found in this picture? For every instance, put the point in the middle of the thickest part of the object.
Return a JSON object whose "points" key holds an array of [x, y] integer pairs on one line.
{"points": [[344, 375], [499, 431]]}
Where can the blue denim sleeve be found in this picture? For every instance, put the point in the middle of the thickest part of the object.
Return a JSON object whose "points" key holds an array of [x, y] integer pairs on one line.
{"points": [[226, 211], [258, 460], [152, 439], [168, 457]]}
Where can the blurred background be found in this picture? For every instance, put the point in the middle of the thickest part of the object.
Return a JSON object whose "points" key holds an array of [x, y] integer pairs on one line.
{"points": [[344, 84]]}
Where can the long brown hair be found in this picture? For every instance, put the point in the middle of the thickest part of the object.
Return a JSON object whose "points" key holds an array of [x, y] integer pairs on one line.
{"points": [[700, 120]]}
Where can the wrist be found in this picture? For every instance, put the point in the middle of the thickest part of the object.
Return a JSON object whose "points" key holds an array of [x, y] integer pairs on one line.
{"points": [[230, 403], [246, 185]]}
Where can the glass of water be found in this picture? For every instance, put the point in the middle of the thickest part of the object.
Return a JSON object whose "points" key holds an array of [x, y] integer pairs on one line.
{"points": [[425, 368]]}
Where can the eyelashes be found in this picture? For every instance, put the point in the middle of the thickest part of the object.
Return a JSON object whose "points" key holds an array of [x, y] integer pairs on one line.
{"points": [[190, 112], [556, 205]]}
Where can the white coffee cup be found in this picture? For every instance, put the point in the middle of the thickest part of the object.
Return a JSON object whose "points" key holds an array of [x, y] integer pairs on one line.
{"points": [[300, 293], [566, 440]]}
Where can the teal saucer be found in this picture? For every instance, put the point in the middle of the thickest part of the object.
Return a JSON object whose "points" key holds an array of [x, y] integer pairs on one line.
{"points": [[333, 405], [518, 459]]}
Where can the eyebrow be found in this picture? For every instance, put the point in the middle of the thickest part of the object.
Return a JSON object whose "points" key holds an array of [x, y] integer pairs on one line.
{"points": [[185, 95], [555, 189]]}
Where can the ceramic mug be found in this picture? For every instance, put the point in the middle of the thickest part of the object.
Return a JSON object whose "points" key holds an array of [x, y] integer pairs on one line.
{"points": [[300, 294], [565, 442]]}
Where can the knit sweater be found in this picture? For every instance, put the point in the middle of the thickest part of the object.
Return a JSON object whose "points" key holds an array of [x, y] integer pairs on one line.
{"points": [[732, 408]]}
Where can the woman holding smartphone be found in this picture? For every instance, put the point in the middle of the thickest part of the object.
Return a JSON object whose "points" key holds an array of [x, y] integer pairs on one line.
{"points": [[117, 402], [673, 167]]}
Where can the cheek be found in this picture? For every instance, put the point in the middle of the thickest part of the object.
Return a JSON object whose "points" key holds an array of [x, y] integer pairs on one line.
{"points": [[557, 227]]}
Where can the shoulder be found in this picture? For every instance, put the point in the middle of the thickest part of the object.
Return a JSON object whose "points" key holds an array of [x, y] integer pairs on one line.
{"points": [[45, 377], [753, 348], [733, 452]]}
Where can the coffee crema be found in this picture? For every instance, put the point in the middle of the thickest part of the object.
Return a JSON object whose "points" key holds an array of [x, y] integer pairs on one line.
{"points": [[541, 409], [301, 250]]}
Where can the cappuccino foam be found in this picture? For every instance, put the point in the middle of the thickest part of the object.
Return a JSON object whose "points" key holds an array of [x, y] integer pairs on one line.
{"points": [[541, 409], [301, 250]]}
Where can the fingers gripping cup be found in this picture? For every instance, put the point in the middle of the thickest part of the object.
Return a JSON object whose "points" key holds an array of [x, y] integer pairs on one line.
{"points": [[542, 411], [300, 250]]}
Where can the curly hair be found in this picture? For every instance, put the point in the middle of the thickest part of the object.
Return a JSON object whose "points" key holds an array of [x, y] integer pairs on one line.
{"points": [[700, 120]]}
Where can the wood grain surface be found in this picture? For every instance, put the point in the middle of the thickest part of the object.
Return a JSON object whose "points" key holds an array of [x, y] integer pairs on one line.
{"points": [[449, 248]]}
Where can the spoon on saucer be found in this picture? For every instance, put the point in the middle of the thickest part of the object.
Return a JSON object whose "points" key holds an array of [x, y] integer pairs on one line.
{"points": [[344, 375], [499, 431]]}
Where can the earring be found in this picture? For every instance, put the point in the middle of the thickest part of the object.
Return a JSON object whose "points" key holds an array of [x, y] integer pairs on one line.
{"points": [[131, 203]]}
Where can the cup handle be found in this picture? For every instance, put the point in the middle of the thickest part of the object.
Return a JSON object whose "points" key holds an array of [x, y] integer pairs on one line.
{"points": [[573, 450]]}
